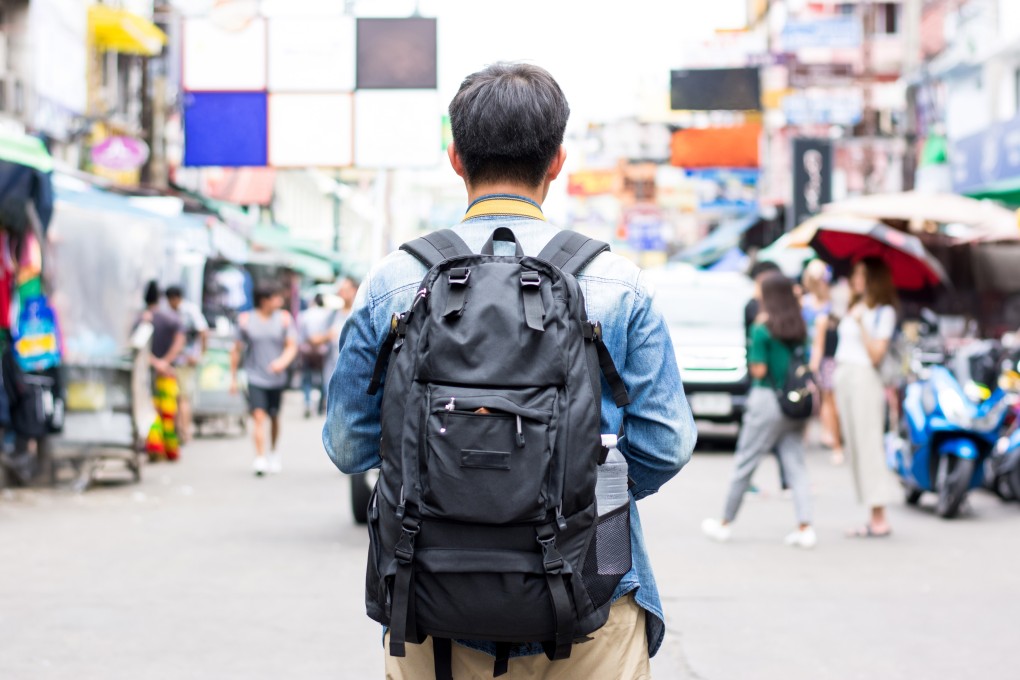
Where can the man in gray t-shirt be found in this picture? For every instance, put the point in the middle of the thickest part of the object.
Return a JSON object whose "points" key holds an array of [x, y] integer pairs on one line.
{"points": [[266, 345]]}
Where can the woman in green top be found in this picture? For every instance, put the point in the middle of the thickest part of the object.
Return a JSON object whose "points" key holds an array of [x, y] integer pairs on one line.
{"points": [[776, 333]]}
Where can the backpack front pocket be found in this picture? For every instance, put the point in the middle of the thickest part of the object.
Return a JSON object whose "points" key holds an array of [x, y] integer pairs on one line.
{"points": [[487, 455]]}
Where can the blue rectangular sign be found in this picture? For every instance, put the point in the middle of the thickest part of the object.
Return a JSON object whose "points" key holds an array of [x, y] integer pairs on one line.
{"points": [[831, 32], [225, 128], [986, 158]]}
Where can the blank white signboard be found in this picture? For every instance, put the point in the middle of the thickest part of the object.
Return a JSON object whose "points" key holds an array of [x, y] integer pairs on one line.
{"points": [[397, 128], [310, 130], [218, 60], [311, 54]]}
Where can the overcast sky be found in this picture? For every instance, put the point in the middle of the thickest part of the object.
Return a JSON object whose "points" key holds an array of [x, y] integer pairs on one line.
{"points": [[599, 51]]}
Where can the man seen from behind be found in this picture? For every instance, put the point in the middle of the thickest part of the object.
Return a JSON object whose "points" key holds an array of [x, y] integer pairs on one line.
{"points": [[508, 125]]}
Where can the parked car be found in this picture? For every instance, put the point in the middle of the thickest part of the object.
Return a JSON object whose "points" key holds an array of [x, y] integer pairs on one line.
{"points": [[705, 314]]}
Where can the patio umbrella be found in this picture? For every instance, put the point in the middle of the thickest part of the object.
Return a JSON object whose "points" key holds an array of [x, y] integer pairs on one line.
{"points": [[988, 219], [25, 179], [913, 267]]}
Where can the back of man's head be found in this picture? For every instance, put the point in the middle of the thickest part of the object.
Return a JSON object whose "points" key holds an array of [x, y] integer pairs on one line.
{"points": [[508, 122]]}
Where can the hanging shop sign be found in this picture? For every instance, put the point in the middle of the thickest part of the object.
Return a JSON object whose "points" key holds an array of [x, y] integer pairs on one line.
{"points": [[987, 158], [593, 182], [120, 154], [830, 32], [729, 147], [725, 189]]}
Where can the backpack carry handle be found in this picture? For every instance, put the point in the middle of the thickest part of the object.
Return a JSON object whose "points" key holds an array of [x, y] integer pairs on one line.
{"points": [[502, 234]]}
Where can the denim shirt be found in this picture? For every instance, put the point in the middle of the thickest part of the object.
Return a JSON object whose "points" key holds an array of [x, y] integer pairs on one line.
{"points": [[660, 433]]}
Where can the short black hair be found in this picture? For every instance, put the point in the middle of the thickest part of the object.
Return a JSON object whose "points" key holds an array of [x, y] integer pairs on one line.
{"points": [[264, 291], [508, 122], [151, 293], [763, 267], [174, 292]]}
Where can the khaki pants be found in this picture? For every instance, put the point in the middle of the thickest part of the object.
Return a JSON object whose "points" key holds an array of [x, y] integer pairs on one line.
{"points": [[619, 651]]}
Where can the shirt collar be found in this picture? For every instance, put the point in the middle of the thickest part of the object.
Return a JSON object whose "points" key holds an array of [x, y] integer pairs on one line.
{"points": [[504, 205]]}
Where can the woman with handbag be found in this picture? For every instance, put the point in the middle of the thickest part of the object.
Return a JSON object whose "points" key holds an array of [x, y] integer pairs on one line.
{"points": [[865, 335], [777, 342]]}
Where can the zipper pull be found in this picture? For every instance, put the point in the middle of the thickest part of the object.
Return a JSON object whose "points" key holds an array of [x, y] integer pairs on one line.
{"points": [[520, 434], [400, 508], [560, 521], [446, 416]]}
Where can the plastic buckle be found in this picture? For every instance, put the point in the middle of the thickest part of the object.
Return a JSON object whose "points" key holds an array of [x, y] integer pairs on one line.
{"points": [[552, 561], [458, 276], [531, 279], [404, 550], [596, 331]]}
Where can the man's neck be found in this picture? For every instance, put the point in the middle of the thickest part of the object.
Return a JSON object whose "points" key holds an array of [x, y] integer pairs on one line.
{"points": [[536, 194]]}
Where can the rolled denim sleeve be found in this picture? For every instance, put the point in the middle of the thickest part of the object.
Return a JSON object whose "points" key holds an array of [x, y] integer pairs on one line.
{"points": [[352, 430], [659, 427]]}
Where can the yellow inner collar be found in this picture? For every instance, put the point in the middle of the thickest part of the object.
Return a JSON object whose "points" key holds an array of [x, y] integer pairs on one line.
{"points": [[504, 206]]}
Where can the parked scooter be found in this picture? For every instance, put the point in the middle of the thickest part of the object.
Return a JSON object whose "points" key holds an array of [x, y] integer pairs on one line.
{"points": [[945, 438], [1003, 468]]}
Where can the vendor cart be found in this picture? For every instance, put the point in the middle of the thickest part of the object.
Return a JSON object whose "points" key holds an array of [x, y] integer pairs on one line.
{"points": [[108, 408], [213, 401]]}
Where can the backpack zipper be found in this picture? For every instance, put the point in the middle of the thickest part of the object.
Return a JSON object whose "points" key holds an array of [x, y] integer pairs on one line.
{"points": [[446, 416]]}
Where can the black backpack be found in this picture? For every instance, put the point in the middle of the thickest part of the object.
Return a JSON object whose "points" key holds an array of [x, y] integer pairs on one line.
{"points": [[483, 523], [797, 395]]}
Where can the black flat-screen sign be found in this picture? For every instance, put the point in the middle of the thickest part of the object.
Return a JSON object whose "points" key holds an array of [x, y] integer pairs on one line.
{"points": [[812, 179], [396, 54], [716, 89]]}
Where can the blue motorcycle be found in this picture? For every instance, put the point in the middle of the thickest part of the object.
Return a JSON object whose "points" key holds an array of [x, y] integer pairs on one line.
{"points": [[945, 439], [1004, 467]]}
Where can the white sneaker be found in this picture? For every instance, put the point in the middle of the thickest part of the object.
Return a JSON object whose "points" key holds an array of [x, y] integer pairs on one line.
{"points": [[259, 466], [275, 463], [716, 530], [802, 538]]}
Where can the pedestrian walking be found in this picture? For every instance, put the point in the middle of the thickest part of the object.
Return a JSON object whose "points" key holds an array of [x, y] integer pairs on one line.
{"points": [[822, 323], [864, 338], [775, 336], [266, 346], [508, 124], [759, 272], [313, 349], [196, 333], [347, 291], [166, 344]]}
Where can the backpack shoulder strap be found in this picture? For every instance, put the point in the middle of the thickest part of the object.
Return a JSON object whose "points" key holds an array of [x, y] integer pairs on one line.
{"points": [[571, 252], [437, 247]]}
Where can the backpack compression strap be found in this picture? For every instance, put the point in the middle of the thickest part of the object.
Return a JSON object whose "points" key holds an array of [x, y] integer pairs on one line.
{"points": [[571, 252], [437, 247]]}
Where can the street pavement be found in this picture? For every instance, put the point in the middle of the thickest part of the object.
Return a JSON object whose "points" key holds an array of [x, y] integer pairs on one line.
{"points": [[203, 571]]}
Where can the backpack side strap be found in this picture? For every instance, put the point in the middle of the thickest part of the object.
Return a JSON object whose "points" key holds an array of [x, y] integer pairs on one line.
{"points": [[437, 247], [571, 252]]}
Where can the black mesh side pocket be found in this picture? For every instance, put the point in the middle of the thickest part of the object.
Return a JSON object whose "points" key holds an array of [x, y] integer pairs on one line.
{"points": [[608, 557]]}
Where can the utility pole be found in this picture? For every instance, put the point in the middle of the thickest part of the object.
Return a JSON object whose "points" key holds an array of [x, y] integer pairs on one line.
{"points": [[912, 71], [868, 113]]}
